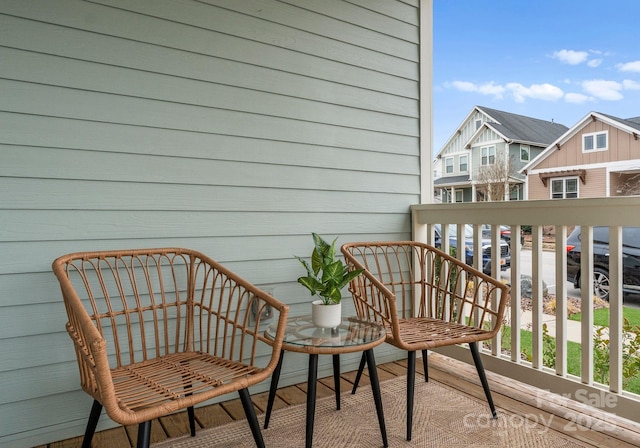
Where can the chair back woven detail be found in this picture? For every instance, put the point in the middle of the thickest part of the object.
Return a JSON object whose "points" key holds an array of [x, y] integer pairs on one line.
{"points": [[159, 330], [425, 297]]}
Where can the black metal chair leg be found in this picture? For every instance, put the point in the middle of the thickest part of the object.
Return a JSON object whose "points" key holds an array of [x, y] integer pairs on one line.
{"points": [[311, 398], [275, 378], [377, 396], [94, 416], [144, 434], [411, 381], [192, 420], [336, 379], [250, 412], [483, 377], [363, 361], [425, 365]]}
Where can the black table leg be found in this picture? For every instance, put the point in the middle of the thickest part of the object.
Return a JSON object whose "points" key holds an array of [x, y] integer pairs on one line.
{"points": [[377, 397], [273, 388], [311, 398], [336, 379]]}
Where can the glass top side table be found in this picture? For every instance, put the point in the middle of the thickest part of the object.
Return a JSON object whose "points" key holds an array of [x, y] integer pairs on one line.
{"points": [[352, 335]]}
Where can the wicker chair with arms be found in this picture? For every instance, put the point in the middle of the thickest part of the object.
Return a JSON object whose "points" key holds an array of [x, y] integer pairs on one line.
{"points": [[160, 330], [456, 303]]}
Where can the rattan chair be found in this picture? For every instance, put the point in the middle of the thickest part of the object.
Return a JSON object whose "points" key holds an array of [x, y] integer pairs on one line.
{"points": [[456, 303], [161, 330]]}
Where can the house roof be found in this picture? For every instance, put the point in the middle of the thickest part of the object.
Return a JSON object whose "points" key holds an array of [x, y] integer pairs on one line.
{"points": [[630, 125], [634, 120], [631, 122], [450, 180], [514, 128]]}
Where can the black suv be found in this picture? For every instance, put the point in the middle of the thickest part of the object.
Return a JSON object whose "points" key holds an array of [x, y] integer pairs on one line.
{"points": [[630, 260]]}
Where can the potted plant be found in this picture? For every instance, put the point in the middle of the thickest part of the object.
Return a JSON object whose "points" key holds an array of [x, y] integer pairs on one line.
{"points": [[326, 276]]}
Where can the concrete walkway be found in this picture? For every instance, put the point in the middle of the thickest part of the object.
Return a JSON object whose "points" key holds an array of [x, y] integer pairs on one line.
{"points": [[526, 319]]}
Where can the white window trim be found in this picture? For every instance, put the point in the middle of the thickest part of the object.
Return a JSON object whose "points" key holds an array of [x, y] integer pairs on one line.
{"points": [[488, 155], [528, 152], [446, 165], [595, 139], [465, 156], [564, 183]]}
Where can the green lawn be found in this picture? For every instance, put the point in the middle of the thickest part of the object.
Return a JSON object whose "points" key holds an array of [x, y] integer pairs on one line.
{"points": [[601, 316], [574, 352], [526, 345]]}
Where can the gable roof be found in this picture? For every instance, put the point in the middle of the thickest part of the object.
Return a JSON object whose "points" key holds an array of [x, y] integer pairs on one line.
{"points": [[514, 128], [630, 125], [631, 122], [634, 120]]}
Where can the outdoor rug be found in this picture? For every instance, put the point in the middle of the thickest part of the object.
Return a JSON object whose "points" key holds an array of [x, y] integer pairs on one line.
{"points": [[443, 417]]}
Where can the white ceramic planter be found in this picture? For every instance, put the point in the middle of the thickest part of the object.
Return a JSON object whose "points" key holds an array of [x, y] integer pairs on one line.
{"points": [[326, 316]]}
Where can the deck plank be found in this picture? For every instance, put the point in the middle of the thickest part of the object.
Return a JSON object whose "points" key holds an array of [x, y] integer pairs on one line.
{"points": [[292, 395], [158, 433], [512, 397], [212, 416]]}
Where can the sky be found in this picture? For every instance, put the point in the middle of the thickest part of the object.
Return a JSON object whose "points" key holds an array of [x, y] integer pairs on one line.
{"points": [[553, 60]]}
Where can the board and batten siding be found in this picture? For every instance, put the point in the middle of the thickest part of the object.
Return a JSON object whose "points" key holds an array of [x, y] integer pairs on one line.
{"points": [[233, 127]]}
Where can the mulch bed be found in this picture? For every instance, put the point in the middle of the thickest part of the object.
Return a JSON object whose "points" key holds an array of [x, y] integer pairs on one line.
{"points": [[573, 305]]}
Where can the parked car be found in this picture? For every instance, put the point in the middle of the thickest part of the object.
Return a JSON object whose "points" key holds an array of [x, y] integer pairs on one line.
{"points": [[505, 254], [630, 260], [505, 233]]}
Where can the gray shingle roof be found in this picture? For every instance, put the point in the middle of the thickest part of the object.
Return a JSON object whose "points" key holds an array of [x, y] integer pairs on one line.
{"points": [[525, 129], [631, 122], [446, 180]]}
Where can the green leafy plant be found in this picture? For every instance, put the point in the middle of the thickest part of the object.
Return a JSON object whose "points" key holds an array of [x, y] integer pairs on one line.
{"points": [[327, 275], [548, 349], [630, 352]]}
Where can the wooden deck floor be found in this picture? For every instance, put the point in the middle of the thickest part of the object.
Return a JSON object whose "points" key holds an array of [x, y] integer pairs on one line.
{"points": [[509, 395]]}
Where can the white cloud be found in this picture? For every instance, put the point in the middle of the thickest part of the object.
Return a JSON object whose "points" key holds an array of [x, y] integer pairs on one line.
{"points": [[577, 98], [628, 84], [463, 86], [605, 90], [629, 66], [546, 92], [593, 63], [488, 88], [571, 57]]}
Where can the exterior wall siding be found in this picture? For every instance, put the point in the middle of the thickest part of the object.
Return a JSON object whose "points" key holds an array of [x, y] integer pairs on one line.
{"points": [[622, 146], [233, 127], [594, 186], [623, 153]]}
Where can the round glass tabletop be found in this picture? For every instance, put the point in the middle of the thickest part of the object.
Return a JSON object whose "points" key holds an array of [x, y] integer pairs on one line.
{"points": [[351, 333]]}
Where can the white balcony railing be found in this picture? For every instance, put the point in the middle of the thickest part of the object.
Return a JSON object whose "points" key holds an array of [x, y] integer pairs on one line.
{"points": [[562, 214]]}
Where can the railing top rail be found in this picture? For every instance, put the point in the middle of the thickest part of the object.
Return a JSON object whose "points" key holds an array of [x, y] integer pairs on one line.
{"points": [[618, 211]]}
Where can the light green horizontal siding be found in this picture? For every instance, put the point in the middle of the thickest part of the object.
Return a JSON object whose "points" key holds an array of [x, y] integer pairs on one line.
{"points": [[235, 127]]}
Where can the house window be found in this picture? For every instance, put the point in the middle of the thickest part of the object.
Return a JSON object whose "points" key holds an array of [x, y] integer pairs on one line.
{"points": [[448, 165], [564, 188], [464, 166], [514, 192], [478, 124], [488, 155], [595, 141], [459, 196], [524, 153]]}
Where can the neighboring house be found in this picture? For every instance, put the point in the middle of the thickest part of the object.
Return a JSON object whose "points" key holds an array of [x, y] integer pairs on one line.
{"points": [[236, 128], [488, 149], [436, 164], [597, 157]]}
